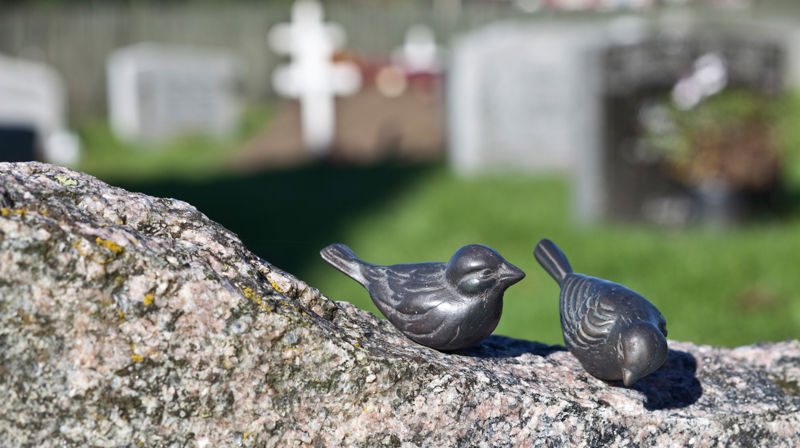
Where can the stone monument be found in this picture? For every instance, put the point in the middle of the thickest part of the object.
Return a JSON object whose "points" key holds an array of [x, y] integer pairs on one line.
{"points": [[157, 92], [522, 97]]}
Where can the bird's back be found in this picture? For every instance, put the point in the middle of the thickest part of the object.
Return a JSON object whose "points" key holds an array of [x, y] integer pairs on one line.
{"points": [[392, 284], [593, 311], [587, 315], [411, 296]]}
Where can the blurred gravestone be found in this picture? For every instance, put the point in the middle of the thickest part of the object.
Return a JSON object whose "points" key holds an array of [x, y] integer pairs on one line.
{"points": [[157, 92], [522, 97], [32, 114], [629, 180]]}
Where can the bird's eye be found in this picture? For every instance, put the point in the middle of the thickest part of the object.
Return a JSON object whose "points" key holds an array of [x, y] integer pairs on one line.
{"points": [[474, 284], [485, 273]]}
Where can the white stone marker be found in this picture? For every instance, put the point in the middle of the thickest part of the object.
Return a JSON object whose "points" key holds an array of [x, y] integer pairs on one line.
{"points": [[312, 76], [157, 92]]}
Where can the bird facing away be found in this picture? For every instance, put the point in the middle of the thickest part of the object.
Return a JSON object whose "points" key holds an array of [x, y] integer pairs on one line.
{"points": [[614, 332], [446, 306]]}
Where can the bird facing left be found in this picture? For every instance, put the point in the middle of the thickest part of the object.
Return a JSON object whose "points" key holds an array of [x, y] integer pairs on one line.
{"points": [[445, 306]]}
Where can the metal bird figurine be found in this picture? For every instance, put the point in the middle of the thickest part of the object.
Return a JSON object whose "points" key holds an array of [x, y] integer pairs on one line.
{"points": [[614, 332], [446, 306]]}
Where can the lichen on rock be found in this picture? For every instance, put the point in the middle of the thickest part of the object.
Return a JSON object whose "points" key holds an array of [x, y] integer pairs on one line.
{"points": [[128, 320]]}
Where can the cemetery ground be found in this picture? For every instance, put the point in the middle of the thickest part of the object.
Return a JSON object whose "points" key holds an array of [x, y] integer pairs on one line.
{"points": [[730, 286]]}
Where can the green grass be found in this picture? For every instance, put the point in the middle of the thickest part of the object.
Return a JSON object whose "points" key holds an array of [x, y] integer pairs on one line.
{"points": [[721, 287], [726, 287], [191, 157]]}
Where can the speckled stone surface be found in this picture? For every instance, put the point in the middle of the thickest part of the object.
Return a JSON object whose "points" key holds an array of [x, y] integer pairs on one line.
{"points": [[128, 320]]}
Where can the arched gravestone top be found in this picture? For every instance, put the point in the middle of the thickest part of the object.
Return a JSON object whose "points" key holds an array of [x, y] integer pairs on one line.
{"points": [[31, 108]]}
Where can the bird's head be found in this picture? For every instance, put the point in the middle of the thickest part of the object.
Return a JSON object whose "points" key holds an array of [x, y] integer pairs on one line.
{"points": [[477, 269], [644, 350]]}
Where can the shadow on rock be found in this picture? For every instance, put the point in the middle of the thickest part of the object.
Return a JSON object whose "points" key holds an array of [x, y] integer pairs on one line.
{"points": [[505, 347], [672, 386]]}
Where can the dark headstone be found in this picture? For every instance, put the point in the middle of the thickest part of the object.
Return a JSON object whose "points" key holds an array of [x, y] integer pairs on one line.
{"points": [[632, 177]]}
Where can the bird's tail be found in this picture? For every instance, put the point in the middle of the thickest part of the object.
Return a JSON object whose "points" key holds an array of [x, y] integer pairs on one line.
{"points": [[342, 258], [552, 259]]}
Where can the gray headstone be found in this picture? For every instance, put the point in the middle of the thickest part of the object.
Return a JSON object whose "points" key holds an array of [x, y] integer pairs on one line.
{"points": [[522, 97], [157, 92]]}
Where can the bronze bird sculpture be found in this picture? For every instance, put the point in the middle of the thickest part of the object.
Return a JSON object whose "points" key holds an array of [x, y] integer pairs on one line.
{"points": [[614, 332], [445, 306]]}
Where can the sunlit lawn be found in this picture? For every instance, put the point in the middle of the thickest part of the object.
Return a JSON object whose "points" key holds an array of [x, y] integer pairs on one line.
{"points": [[721, 287], [727, 287]]}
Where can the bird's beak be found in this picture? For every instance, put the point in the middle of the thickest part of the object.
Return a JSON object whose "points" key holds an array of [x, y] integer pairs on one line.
{"points": [[511, 274], [628, 377]]}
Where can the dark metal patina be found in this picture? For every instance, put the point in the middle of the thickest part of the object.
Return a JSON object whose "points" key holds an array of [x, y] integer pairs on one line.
{"points": [[446, 306], [614, 332]]}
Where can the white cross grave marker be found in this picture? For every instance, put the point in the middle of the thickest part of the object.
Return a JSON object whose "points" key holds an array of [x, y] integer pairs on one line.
{"points": [[312, 76]]}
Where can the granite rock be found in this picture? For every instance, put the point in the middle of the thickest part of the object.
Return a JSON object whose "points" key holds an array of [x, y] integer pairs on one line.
{"points": [[129, 320]]}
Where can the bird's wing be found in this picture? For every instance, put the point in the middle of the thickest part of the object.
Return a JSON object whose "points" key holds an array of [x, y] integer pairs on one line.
{"points": [[586, 316], [409, 294], [393, 285]]}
